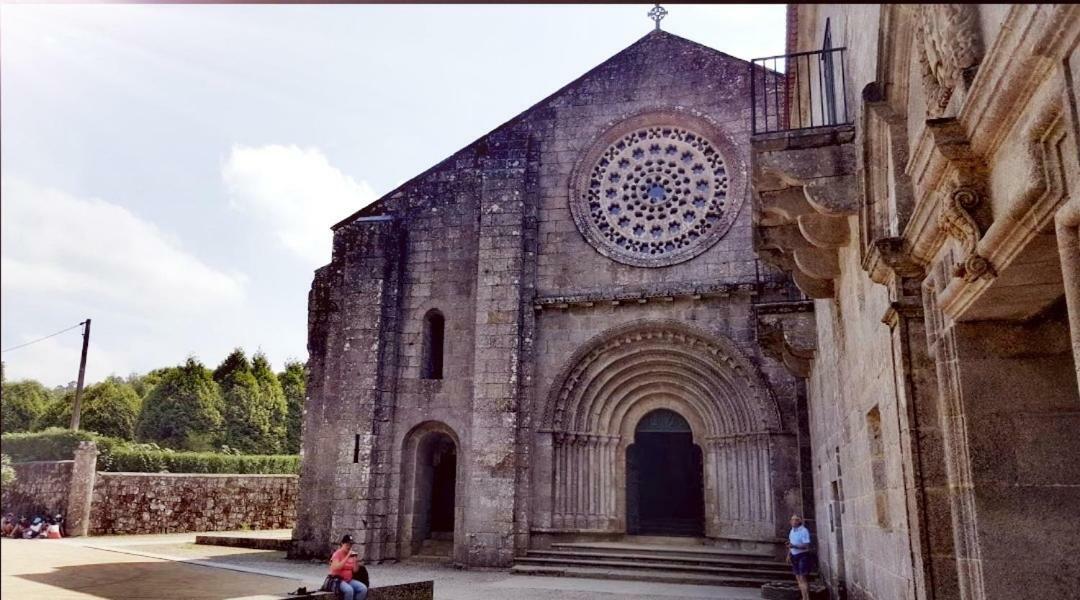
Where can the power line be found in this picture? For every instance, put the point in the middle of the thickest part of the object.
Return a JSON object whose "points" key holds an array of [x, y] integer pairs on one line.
{"points": [[43, 338]]}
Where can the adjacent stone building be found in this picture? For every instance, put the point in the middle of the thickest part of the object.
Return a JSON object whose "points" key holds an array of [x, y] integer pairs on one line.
{"points": [[554, 333], [921, 187]]}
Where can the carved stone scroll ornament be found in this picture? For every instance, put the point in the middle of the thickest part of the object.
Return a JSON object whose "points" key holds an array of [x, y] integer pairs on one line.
{"points": [[948, 44], [958, 223]]}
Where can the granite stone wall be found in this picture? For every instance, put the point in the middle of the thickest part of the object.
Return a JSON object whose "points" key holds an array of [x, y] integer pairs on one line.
{"points": [[40, 488], [132, 503]]}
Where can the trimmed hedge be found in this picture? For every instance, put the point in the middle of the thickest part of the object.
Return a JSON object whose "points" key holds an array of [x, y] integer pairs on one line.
{"points": [[120, 456], [164, 461], [52, 444]]}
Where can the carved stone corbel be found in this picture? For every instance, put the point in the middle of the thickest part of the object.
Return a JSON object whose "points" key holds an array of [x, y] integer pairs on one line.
{"points": [[806, 190], [787, 332], [958, 221], [890, 258]]}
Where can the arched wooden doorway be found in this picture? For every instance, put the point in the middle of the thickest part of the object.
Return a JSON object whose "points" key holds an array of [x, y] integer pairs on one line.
{"points": [[664, 484]]}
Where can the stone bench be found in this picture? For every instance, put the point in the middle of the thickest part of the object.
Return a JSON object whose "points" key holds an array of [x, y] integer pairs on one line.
{"points": [[420, 590]]}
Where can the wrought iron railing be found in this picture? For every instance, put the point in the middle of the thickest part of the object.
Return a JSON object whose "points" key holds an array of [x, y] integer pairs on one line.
{"points": [[799, 91]]}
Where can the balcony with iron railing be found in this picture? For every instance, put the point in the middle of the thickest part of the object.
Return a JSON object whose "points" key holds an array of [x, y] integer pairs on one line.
{"points": [[798, 92], [802, 164]]}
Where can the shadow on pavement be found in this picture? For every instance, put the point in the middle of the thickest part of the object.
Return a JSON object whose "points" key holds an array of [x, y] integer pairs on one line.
{"points": [[158, 579]]}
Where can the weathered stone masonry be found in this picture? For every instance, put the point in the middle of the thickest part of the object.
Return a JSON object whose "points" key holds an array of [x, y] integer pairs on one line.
{"points": [[487, 240]]}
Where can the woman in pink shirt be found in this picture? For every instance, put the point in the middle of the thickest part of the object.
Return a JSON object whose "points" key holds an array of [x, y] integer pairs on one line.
{"points": [[342, 563]]}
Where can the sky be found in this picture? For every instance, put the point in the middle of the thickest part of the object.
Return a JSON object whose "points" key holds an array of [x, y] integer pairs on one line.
{"points": [[172, 171]]}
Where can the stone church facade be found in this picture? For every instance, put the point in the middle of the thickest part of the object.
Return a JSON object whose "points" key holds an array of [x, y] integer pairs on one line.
{"points": [[933, 219], [553, 334]]}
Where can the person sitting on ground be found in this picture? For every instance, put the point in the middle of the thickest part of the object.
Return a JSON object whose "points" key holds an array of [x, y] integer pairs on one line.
{"points": [[801, 558], [52, 530], [61, 529], [8, 525], [37, 527], [20, 526], [343, 562]]}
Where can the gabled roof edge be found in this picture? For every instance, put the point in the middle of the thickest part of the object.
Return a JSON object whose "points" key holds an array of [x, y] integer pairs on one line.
{"points": [[516, 118]]}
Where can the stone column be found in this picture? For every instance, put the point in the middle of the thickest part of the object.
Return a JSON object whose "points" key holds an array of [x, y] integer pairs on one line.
{"points": [[926, 488], [496, 404], [81, 489], [1068, 238], [544, 478]]}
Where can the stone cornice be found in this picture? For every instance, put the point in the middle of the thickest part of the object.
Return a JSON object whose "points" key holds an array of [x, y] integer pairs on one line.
{"points": [[1033, 40], [665, 293]]}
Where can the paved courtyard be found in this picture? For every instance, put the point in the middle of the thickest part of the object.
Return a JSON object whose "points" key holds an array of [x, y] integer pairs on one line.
{"points": [[173, 567]]}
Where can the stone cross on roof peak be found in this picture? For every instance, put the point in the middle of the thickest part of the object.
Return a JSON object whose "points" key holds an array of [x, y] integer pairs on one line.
{"points": [[657, 14]]}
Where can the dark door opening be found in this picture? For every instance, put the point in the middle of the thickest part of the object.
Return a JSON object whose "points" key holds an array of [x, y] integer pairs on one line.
{"points": [[664, 491], [436, 480], [444, 466]]}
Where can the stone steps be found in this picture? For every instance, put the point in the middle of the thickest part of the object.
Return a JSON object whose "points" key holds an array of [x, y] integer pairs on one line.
{"points": [[245, 541], [767, 574], [718, 560], [672, 561], [434, 551], [626, 575], [661, 549]]}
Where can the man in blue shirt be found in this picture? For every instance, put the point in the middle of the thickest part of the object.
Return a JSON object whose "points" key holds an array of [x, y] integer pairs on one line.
{"points": [[801, 558]]}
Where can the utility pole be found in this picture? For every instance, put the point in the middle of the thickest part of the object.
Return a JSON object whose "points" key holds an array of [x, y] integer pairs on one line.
{"points": [[82, 373]]}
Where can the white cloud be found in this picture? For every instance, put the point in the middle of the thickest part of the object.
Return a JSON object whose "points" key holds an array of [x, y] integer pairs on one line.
{"points": [[297, 192], [65, 257], [57, 243]]}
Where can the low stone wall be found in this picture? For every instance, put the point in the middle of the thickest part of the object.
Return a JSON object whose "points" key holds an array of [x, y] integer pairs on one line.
{"points": [[127, 503], [40, 488]]}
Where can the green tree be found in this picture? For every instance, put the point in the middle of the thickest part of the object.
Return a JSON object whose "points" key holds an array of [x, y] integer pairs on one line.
{"points": [[110, 407], [142, 384], [22, 404], [7, 473], [183, 411], [294, 383], [246, 418], [272, 397]]}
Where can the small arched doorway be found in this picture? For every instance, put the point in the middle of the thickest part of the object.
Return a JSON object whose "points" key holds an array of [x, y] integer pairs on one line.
{"points": [[664, 486], [434, 496]]}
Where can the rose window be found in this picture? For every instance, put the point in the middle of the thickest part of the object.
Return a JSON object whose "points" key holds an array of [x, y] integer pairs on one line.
{"points": [[654, 197]]}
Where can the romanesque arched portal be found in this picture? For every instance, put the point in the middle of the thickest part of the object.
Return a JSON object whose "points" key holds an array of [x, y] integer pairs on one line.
{"points": [[597, 403]]}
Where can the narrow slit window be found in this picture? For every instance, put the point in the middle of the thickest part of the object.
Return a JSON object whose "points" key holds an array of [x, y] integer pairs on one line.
{"points": [[356, 449], [431, 366]]}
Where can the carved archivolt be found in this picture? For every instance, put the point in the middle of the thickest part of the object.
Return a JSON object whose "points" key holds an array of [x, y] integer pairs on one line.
{"points": [[646, 359], [948, 43], [957, 221], [615, 381]]}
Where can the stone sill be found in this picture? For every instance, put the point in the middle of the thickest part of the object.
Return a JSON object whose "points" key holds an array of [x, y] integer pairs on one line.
{"points": [[793, 139]]}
